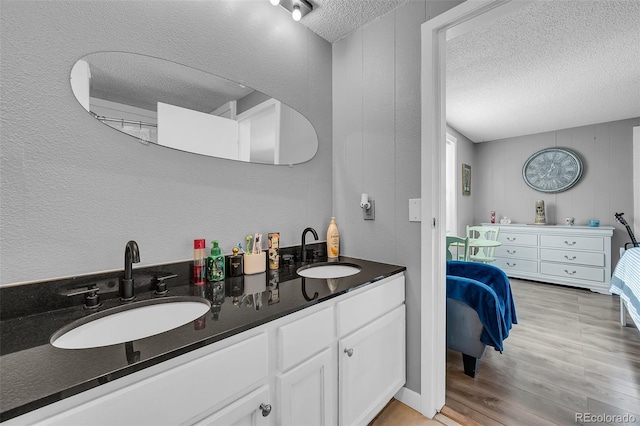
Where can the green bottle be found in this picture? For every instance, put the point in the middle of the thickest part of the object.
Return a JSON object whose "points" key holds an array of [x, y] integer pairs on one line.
{"points": [[215, 263]]}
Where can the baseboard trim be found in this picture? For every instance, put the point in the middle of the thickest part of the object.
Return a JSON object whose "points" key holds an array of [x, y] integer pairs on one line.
{"points": [[410, 398]]}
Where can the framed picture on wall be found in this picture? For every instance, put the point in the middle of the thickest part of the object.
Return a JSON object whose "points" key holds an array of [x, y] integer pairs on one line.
{"points": [[466, 179]]}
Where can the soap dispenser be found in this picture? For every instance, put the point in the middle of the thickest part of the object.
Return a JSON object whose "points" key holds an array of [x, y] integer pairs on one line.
{"points": [[215, 263]]}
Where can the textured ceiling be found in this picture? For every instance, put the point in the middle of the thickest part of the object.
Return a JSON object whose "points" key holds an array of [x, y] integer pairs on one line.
{"points": [[550, 65], [336, 19]]}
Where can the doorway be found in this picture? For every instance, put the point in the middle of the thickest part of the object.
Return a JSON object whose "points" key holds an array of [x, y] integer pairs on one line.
{"points": [[435, 34]]}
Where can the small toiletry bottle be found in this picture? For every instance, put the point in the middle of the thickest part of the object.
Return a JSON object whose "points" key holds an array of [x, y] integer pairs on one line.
{"points": [[235, 263], [333, 240], [215, 263], [274, 250], [198, 262]]}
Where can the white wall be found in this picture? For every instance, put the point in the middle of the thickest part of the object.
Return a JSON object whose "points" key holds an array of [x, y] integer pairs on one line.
{"points": [[376, 147], [75, 191], [606, 186]]}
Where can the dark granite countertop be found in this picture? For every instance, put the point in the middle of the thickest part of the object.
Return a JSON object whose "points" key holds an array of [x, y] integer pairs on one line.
{"points": [[33, 373]]}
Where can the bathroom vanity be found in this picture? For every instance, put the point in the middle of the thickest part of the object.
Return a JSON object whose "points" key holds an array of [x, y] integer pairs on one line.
{"points": [[285, 350]]}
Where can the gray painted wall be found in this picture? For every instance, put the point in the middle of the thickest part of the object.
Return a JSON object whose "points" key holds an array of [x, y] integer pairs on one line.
{"points": [[465, 155], [606, 186], [376, 147], [75, 191]]}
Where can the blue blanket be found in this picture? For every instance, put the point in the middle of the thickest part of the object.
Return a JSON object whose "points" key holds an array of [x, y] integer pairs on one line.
{"points": [[486, 289]]}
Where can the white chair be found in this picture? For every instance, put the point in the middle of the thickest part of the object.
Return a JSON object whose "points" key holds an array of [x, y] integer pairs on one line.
{"points": [[479, 233]]}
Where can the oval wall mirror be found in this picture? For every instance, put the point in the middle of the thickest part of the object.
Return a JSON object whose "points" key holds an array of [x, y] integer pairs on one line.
{"points": [[165, 103]]}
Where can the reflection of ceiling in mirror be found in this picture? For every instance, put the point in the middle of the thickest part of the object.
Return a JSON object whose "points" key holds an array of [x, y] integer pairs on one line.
{"points": [[137, 79]]}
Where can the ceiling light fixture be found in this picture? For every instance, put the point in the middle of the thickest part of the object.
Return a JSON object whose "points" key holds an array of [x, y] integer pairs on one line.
{"points": [[275, 2], [296, 14], [298, 8]]}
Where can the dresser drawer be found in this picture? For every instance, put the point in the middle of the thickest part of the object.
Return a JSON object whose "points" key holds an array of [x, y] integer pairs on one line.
{"points": [[517, 252], [573, 257], [516, 265], [518, 239], [572, 271], [580, 243], [305, 337]]}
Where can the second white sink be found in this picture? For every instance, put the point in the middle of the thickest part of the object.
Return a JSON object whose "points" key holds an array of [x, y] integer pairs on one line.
{"points": [[130, 322], [328, 270]]}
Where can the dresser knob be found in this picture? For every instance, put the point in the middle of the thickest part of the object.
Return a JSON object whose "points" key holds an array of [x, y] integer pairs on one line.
{"points": [[349, 352], [266, 409]]}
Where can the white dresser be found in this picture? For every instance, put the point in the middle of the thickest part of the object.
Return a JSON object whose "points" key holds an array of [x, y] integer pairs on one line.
{"points": [[578, 256]]}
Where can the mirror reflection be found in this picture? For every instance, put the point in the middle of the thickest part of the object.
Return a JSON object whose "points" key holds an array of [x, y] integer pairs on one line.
{"points": [[161, 102]]}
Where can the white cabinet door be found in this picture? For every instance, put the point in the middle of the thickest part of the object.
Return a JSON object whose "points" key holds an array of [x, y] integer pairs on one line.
{"points": [[307, 392], [372, 367], [250, 410]]}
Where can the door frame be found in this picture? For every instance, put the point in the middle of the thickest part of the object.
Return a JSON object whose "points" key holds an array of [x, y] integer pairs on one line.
{"points": [[435, 33]]}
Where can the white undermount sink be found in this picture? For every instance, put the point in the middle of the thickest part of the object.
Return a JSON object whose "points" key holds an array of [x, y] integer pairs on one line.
{"points": [[130, 322], [328, 270]]}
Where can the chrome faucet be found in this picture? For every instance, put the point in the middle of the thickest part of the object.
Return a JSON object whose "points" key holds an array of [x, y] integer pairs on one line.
{"points": [[304, 233], [131, 255]]}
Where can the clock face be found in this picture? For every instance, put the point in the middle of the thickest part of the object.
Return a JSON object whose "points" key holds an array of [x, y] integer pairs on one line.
{"points": [[552, 170]]}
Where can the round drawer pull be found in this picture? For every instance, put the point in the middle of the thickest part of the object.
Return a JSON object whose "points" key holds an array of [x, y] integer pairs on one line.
{"points": [[511, 251], [570, 273], [349, 352], [569, 258], [266, 409], [573, 243]]}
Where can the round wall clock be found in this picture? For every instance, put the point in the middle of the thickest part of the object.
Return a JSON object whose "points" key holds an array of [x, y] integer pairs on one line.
{"points": [[552, 170]]}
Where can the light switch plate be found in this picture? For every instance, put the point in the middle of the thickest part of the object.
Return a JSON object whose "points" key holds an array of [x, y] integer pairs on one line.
{"points": [[415, 210]]}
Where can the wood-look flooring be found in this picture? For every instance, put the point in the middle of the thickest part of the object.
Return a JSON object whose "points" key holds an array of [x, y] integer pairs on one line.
{"points": [[398, 414], [568, 354]]}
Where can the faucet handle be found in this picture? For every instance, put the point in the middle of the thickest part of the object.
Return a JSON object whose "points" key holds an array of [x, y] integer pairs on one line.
{"points": [[91, 296], [161, 286]]}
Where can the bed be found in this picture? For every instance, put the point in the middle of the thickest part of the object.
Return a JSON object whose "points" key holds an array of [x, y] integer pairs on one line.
{"points": [[625, 282]]}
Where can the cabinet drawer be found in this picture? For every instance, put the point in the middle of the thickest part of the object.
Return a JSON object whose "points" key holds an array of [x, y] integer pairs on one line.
{"points": [[195, 387], [516, 265], [573, 257], [572, 271], [360, 310], [305, 337], [518, 239], [568, 241], [517, 252]]}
